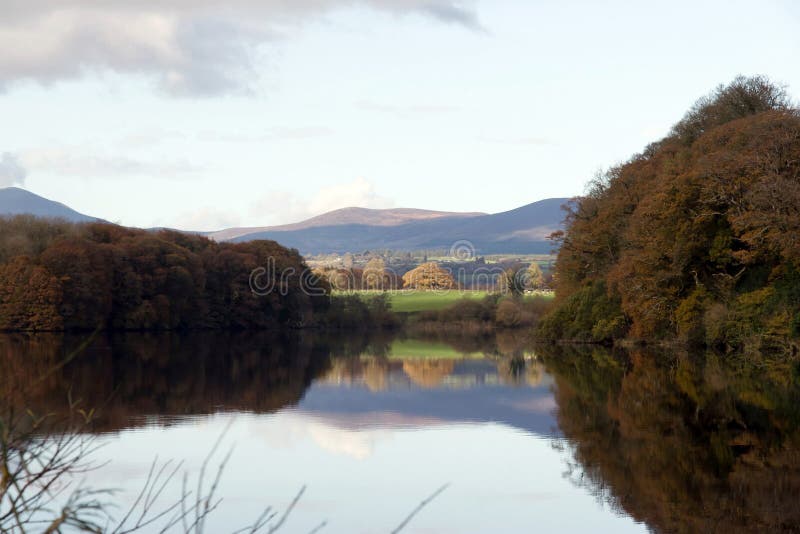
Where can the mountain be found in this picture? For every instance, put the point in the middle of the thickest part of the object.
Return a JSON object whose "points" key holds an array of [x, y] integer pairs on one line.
{"points": [[16, 201], [361, 216], [523, 230], [520, 231]]}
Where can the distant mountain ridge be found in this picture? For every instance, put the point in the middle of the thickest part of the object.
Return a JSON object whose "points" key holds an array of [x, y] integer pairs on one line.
{"points": [[16, 201], [520, 231], [343, 216]]}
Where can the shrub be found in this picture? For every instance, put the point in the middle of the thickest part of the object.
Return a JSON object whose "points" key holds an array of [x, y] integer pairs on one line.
{"points": [[589, 314], [508, 313]]}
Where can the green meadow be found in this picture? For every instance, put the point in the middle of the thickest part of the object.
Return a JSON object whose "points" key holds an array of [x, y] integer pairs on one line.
{"points": [[413, 301], [411, 349], [416, 301]]}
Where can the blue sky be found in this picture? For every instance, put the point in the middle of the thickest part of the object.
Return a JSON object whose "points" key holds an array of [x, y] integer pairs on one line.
{"points": [[189, 115]]}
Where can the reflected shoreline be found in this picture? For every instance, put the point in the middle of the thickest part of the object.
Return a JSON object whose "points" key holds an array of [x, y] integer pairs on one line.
{"points": [[133, 376], [680, 441]]}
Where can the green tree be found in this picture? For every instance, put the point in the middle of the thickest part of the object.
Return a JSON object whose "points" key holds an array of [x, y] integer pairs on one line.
{"points": [[517, 281]]}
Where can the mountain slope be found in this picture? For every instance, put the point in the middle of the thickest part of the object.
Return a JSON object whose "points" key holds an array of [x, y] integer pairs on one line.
{"points": [[16, 201], [522, 230], [344, 216]]}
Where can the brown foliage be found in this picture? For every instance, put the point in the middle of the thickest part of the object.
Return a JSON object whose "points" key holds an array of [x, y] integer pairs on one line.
{"points": [[715, 207], [684, 444], [55, 275], [30, 296]]}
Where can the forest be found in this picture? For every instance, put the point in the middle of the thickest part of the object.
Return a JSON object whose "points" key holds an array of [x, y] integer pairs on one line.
{"points": [[697, 238], [62, 276]]}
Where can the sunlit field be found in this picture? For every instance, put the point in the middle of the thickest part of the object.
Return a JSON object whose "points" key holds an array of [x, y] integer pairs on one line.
{"points": [[413, 301]]}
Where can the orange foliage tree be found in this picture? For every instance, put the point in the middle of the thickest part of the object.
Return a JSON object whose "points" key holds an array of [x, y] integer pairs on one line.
{"points": [[429, 276]]}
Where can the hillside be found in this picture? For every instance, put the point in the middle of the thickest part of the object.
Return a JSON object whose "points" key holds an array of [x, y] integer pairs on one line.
{"points": [[522, 230], [343, 216], [16, 201]]}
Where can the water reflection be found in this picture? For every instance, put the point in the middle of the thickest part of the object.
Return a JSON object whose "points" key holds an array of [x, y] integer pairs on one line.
{"points": [[548, 437], [373, 425], [138, 377], [370, 391], [684, 442], [128, 376]]}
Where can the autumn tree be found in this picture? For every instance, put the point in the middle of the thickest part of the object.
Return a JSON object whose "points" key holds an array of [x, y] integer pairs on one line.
{"points": [[518, 280], [697, 236], [374, 275], [55, 275], [429, 276], [30, 297]]}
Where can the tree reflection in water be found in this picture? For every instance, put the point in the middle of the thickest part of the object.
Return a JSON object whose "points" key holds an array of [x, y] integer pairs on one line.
{"points": [[46, 431], [684, 442]]}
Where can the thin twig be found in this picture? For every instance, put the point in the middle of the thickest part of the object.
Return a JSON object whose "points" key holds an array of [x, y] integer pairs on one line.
{"points": [[419, 507], [288, 511]]}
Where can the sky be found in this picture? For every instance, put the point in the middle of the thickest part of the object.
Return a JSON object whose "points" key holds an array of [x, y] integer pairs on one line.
{"points": [[203, 115]]}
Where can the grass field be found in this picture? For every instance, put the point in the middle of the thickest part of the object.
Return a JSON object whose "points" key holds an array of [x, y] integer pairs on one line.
{"points": [[417, 301], [417, 349]]}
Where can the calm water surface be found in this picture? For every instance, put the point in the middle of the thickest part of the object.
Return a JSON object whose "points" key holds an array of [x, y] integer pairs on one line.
{"points": [[527, 439]]}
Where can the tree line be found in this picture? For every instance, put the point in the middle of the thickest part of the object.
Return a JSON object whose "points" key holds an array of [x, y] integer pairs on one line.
{"points": [[516, 278], [697, 237], [56, 275]]}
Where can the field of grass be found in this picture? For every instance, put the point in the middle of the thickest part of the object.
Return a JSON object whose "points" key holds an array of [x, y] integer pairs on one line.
{"points": [[416, 301], [417, 349]]}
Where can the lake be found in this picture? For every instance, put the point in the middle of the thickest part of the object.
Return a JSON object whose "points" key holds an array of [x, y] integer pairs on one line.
{"points": [[500, 435]]}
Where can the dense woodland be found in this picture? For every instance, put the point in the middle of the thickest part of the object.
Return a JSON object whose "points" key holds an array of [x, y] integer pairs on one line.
{"points": [[62, 276], [696, 237]]}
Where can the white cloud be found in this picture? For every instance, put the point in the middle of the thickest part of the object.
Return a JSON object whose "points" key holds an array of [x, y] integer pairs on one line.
{"points": [[278, 207], [281, 207], [519, 141], [290, 428], [278, 133], [360, 193], [11, 170], [207, 218], [190, 47], [71, 161], [405, 110], [148, 137]]}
